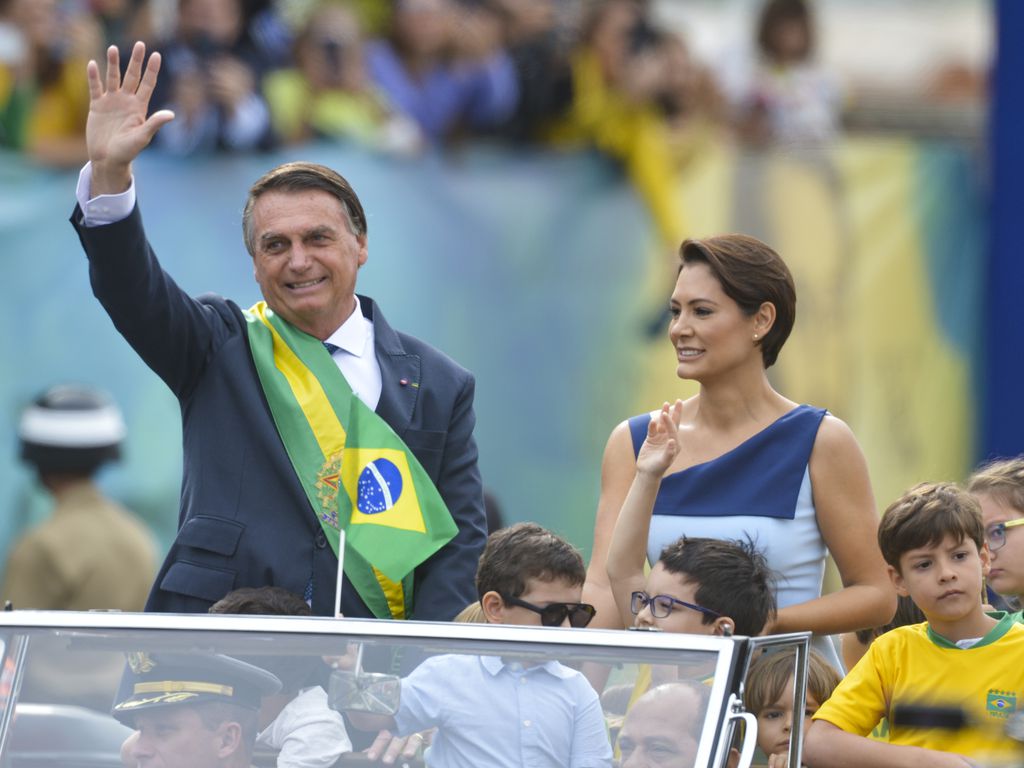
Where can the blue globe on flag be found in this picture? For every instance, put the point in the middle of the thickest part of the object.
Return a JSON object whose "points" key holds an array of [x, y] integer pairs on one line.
{"points": [[380, 486]]}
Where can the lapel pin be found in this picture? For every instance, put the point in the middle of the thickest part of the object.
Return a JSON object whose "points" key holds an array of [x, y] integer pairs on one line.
{"points": [[404, 382]]}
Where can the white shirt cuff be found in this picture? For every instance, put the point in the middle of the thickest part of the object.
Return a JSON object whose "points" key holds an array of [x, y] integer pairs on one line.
{"points": [[103, 209]]}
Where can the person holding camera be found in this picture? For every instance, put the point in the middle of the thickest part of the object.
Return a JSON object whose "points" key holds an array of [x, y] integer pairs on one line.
{"points": [[212, 80]]}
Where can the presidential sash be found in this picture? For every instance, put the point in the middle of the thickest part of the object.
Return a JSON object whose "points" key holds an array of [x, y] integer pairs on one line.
{"points": [[357, 473]]}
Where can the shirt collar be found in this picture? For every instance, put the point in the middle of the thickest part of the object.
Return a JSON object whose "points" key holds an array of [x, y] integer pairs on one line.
{"points": [[1006, 622], [353, 333], [495, 664]]}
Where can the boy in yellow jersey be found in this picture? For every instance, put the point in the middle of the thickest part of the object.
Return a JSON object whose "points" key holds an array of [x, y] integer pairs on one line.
{"points": [[934, 542]]}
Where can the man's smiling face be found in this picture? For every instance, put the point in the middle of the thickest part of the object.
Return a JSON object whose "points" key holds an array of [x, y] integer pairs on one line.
{"points": [[306, 258]]}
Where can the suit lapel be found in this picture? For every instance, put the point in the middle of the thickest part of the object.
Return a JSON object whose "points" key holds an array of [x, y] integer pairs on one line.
{"points": [[397, 400]]}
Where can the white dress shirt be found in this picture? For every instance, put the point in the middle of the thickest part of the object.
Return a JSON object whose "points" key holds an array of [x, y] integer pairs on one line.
{"points": [[355, 356]]}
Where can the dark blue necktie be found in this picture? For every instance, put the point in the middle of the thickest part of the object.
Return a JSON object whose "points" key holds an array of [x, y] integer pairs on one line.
{"points": [[331, 348]]}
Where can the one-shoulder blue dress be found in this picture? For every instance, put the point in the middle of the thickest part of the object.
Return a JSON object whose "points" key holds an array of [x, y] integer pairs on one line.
{"points": [[760, 489]]}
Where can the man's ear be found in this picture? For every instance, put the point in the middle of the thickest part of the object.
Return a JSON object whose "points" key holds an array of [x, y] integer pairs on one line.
{"points": [[229, 738], [364, 252], [494, 607], [898, 582]]}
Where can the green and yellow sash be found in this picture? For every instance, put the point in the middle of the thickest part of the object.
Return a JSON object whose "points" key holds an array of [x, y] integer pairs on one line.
{"points": [[356, 472]]}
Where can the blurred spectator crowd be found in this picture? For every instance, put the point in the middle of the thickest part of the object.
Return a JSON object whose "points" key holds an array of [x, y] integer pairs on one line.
{"points": [[401, 76]]}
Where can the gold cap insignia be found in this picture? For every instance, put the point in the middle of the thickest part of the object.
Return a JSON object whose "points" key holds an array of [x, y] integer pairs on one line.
{"points": [[140, 662]]}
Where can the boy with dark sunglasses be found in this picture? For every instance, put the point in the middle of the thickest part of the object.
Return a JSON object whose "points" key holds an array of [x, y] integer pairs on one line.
{"points": [[528, 575], [508, 712]]}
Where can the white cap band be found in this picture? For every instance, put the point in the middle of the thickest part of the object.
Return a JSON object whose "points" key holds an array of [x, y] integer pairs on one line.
{"points": [[94, 428]]}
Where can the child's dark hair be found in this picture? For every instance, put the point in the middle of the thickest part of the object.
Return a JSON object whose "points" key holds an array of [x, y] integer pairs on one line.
{"points": [[525, 551], [262, 601], [772, 672], [295, 672], [924, 516], [776, 13], [732, 578]]}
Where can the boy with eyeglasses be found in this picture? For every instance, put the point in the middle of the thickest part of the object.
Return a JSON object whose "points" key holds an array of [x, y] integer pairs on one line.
{"points": [[933, 540], [698, 586], [503, 711]]}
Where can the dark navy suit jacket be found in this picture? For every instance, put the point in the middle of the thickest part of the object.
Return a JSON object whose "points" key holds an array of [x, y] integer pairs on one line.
{"points": [[244, 519]]}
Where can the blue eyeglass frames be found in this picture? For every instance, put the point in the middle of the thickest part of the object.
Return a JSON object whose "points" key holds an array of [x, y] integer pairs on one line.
{"points": [[661, 605]]}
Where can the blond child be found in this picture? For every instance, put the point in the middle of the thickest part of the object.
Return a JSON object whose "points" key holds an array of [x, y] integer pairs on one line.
{"points": [[769, 696], [999, 489]]}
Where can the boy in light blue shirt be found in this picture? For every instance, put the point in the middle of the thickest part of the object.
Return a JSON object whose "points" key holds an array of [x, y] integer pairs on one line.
{"points": [[498, 711]]}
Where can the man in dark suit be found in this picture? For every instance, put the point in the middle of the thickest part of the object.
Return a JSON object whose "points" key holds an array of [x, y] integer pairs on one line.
{"points": [[246, 519]]}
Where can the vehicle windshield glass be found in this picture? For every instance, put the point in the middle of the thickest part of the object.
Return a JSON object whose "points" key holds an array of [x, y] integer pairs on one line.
{"points": [[114, 686]]}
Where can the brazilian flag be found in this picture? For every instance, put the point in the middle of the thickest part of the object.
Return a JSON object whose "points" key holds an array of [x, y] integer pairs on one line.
{"points": [[357, 473]]}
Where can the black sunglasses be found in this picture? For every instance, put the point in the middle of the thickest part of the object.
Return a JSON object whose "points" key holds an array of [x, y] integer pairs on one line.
{"points": [[554, 614]]}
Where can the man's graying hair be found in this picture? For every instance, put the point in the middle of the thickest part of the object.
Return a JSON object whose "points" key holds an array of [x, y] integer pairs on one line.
{"points": [[299, 177]]}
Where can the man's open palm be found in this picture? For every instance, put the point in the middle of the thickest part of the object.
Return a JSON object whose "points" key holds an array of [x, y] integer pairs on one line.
{"points": [[118, 129]]}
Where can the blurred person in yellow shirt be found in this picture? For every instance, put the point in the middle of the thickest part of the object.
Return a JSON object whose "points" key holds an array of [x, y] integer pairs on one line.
{"points": [[43, 106]]}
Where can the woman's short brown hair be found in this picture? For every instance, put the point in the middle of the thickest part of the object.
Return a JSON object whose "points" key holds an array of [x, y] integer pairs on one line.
{"points": [[751, 273]]}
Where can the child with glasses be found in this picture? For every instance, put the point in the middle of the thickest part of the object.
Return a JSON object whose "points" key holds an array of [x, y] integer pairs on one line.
{"points": [[502, 711], [700, 586], [933, 540], [999, 489]]}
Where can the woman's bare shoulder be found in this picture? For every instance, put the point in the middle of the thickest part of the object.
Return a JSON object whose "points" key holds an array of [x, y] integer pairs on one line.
{"points": [[834, 435]]}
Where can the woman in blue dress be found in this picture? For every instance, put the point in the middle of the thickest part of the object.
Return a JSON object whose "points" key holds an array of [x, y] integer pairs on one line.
{"points": [[738, 459]]}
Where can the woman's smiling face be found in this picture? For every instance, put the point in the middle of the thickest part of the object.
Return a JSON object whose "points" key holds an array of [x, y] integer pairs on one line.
{"points": [[709, 332]]}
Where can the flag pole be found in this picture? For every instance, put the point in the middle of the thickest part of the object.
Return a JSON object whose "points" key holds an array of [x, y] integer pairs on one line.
{"points": [[341, 570]]}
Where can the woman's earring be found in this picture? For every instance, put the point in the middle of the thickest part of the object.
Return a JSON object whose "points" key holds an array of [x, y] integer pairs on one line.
{"points": [[755, 337]]}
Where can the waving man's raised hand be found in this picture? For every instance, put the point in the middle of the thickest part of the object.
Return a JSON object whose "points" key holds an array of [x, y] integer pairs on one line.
{"points": [[118, 129]]}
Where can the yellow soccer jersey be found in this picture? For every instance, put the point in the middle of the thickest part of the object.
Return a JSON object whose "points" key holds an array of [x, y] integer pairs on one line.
{"points": [[913, 665]]}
